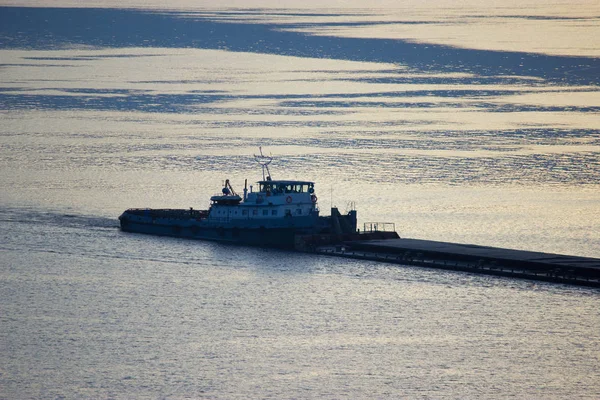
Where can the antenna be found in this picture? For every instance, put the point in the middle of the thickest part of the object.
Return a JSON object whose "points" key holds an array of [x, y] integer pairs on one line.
{"points": [[331, 193], [264, 161]]}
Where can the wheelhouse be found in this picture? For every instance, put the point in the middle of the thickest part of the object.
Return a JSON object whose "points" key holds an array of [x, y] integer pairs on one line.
{"points": [[285, 187]]}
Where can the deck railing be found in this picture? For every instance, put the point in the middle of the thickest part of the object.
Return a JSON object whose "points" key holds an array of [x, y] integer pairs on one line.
{"points": [[379, 227]]}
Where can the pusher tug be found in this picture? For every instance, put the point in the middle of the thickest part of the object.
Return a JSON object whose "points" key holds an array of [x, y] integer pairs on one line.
{"points": [[281, 213]]}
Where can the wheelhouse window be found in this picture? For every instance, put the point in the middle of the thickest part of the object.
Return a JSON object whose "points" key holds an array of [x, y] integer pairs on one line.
{"points": [[275, 187]]}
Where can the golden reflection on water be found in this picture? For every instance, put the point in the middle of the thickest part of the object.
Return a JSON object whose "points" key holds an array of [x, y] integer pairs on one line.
{"points": [[183, 118]]}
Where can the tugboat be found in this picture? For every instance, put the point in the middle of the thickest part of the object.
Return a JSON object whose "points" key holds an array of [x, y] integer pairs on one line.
{"points": [[275, 215]]}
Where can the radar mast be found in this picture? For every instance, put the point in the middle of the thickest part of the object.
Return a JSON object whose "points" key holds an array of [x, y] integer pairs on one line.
{"points": [[264, 161]]}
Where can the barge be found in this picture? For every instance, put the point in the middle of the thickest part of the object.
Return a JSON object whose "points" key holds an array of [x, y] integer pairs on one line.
{"points": [[285, 214]]}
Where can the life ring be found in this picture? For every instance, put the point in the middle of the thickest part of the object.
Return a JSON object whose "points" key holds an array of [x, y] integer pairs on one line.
{"points": [[313, 198], [288, 199]]}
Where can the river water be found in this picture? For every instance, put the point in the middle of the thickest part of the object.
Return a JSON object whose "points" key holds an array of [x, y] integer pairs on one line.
{"points": [[473, 123]]}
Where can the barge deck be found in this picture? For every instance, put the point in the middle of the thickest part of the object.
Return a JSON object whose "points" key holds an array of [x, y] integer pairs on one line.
{"points": [[584, 271]]}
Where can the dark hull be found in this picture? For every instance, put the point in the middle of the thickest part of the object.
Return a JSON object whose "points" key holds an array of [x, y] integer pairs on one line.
{"points": [[272, 237], [255, 231]]}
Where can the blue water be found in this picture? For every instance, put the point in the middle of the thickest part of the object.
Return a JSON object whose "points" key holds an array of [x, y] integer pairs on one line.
{"points": [[105, 109]]}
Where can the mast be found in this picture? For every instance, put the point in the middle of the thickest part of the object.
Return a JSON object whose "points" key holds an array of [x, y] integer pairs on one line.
{"points": [[264, 161]]}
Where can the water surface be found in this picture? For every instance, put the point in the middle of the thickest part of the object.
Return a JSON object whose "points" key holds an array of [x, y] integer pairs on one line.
{"points": [[450, 135]]}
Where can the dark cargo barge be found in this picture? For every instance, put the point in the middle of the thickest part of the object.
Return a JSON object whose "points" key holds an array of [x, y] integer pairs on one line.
{"points": [[575, 270]]}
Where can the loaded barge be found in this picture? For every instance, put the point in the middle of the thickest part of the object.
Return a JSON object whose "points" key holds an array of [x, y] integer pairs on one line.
{"points": [[559, 268]]}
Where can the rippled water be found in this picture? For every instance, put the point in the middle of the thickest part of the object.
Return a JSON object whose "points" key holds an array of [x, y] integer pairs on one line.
{"points": [[490, 142], [97, 313]]}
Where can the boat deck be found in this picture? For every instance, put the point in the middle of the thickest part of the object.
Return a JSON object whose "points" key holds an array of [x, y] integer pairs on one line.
{"points": [[458, 250], [474, 258]]}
